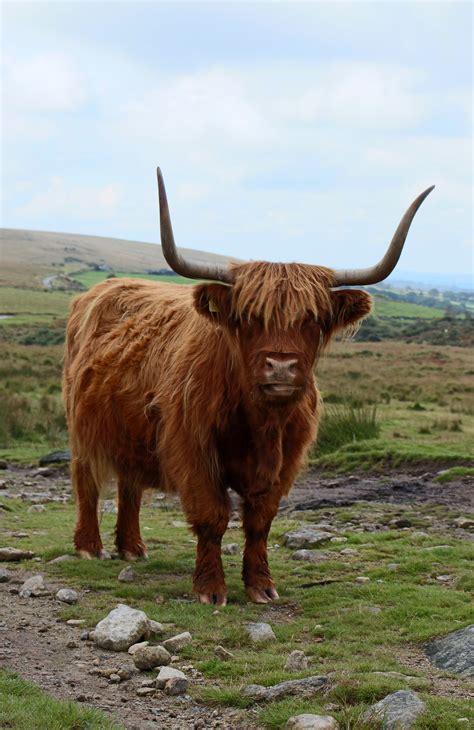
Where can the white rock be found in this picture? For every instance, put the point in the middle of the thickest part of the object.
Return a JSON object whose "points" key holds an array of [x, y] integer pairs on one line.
{"points": [[362, 579], [122, 627], [260, 632], [67, 595], [176, 643], [4, 575], [312, 722], [166, 673], [33, 586]]}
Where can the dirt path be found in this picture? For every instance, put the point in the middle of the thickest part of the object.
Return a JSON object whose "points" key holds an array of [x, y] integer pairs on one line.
{"points": [[38, 645]]}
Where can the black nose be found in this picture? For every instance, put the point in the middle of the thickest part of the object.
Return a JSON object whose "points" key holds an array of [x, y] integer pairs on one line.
{"points": [[280, 370]]}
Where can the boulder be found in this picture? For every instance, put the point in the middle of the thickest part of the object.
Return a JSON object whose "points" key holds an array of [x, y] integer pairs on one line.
{"points": [[176, 686], [312, 556], [454, 652], [397, 711], [122, 627], [55, 457], [4, 575]]}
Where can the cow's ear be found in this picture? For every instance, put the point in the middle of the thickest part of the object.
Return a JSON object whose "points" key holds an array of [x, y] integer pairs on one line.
{"points": [[349, 308], [213, 301]]}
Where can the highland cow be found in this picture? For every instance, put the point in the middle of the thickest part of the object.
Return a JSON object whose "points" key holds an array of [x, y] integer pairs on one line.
{"points": [[201, 389]]}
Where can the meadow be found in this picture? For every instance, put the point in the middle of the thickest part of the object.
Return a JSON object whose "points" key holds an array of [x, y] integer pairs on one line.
{"points": [[388, 405]]}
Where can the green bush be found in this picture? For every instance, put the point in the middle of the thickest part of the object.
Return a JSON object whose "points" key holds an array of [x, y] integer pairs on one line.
{"points": [[342, 425]]}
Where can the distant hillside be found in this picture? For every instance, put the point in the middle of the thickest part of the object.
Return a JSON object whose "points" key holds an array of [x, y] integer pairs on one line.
{"points": [[27, 257]]}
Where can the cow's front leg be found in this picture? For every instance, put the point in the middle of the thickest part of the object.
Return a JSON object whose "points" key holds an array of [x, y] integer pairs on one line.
{"points": [[209, 526], [257, 519]]}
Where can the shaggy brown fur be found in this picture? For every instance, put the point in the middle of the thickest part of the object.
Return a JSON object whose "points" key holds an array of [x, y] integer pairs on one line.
{"points": [[163, 386]]}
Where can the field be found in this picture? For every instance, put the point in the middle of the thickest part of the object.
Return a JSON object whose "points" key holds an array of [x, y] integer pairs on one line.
{"points": [[395, 412]]}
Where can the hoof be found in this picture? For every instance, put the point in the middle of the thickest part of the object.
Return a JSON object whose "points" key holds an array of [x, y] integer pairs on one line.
{"points": [[131, 555], [262, 595], [214, 599], [90, 554]]}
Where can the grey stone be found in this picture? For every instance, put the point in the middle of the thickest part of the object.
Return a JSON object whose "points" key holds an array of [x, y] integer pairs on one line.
{"points": [[464, 522], [454, 652], [362, 579], [349, 552], [176, 686], [148, 657], [223, 653], [3, 483], [312, 556], [36, 508], [312, 722], [109, 507], [4, 575], [45, 471], [397, 711], [67, 595], [297, 661], [167, 673], [11, 554], [145, 691], [122, 627], [306, 686], [127, 575], [132, 649], [55, 457], [178, 642], [305, 537], [154, 628], [3, 464], [61, 559], [33, 586], [260, 632], [231, 549]]}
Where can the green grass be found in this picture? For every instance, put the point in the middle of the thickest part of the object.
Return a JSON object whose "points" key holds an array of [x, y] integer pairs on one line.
{"points": [[332, 623], [454, 473], [406, 310], [25, 707], [90, 278], [342, 425]]}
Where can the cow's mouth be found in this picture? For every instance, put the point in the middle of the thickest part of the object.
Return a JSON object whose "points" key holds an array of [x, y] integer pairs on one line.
{"points": [[279, 390]]}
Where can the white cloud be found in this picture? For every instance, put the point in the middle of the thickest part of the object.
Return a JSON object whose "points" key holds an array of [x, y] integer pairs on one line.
{"points": [[91, 201]]}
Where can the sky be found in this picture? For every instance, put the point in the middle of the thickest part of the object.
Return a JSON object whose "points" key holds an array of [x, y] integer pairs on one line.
{"points": [[285, 131]]}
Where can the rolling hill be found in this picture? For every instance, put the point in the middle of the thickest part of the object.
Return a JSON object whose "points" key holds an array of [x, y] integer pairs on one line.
{"points": [[28, 257]]}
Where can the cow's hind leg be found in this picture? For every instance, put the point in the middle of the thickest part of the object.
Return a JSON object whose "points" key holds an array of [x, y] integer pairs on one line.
{"points": [[257, 519], [86, 536], [128, 539], [209, 522]]}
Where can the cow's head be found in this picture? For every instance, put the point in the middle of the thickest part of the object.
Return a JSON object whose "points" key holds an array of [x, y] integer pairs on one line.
{"points": [[280, 315]]}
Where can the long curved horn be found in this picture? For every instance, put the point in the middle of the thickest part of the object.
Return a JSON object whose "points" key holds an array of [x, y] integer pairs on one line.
{"points": [[385, 266], [190, 269]]}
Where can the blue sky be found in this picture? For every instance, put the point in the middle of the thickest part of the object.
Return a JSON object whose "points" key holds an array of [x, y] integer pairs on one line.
{"points": [[285, 131]]}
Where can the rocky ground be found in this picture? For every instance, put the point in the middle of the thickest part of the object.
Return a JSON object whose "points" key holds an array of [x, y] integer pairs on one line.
{"points": [[63, 661]]}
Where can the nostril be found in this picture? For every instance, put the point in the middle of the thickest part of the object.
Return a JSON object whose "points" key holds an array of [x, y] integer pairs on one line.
{"points": [[269, 363]]}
